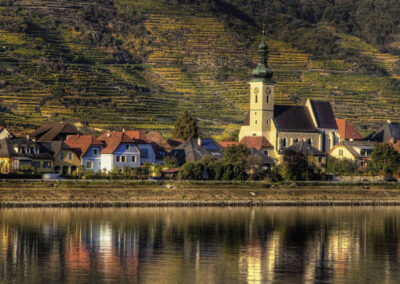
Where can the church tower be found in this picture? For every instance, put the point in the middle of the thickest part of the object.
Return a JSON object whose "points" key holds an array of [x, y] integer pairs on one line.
{"points": [[261, 111]]}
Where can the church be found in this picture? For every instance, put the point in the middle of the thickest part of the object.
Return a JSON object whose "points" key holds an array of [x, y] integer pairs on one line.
{"points": [[285, 125]]}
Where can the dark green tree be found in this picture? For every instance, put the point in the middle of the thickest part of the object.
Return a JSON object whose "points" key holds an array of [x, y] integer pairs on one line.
{"points": [[385, 160], [236, 153], [295, 166], [341, 166], [185, 126]]}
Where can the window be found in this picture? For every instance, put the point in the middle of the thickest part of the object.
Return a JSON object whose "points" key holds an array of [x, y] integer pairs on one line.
{"points": [[61, 156], [46, 165], [295, 140], [36, 165], [133, 159], [341, 152], [266, 153], [144, 153], [123, 159], [256, 98], [283, 143], [309, 141], [23, 150], [70, 156], [127, 146], [118, 159], [267, 99], [256, 122], [89, 165], [95, 151]]}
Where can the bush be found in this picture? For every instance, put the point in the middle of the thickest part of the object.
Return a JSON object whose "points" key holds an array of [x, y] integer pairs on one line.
{"points": [[341, 166], [385, 160], [295, 167]]}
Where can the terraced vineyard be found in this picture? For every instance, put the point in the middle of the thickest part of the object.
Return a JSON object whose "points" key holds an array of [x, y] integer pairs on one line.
{"points": [[58, 65]]}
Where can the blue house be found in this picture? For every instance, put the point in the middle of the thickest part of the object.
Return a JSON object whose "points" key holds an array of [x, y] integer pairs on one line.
{"points": [[119, 151], [147, 151]]}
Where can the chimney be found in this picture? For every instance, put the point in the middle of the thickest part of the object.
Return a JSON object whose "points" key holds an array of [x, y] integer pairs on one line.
{"points": [[108, 134], [199, 141], [123, 130]]}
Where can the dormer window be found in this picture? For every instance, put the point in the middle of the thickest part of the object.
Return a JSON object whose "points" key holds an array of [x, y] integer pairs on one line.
{"points": [[95, 151], [127, 146]]}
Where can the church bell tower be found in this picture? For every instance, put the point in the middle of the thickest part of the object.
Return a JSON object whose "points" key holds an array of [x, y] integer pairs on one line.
{"points": [[261, 111]]}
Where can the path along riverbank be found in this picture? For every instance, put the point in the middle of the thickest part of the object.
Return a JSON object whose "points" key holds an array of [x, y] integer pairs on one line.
{"points": [[147, 193]]}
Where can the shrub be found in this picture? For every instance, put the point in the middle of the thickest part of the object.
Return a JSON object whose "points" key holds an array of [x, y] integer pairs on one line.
{"points": [[341, 166]]}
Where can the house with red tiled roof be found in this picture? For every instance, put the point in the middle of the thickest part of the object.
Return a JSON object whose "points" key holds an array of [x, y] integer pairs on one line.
{"points": [[260, 143], [147, 150], [120, 151], [227, 143], [90, 151], [347, 131]]}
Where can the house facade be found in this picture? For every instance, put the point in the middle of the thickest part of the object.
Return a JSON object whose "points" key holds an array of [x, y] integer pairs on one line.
{"points": [[120, 151], [358, 151], [90, 151], [285, 125], [147, 153], [66, 159]]}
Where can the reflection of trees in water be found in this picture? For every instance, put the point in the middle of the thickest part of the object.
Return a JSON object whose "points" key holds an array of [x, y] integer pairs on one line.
{"points": [[207, 244]]}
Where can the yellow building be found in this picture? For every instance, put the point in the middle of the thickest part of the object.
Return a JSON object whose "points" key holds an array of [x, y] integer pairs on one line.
{"points": [[358, 151], [66, 159], [285, 125], [21, 154]]}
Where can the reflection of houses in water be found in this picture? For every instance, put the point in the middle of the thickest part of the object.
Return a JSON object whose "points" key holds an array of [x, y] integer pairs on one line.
{"points": [[250, 263], [272, 252], [77, 257], [257, 261], [342, 248]]}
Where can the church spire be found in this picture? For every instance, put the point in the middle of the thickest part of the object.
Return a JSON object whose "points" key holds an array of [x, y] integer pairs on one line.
{"points": [[262, 72]]}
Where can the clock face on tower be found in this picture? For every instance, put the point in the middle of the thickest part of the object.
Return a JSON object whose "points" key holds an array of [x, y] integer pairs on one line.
{"points": [[256, 91], [268, 91]]}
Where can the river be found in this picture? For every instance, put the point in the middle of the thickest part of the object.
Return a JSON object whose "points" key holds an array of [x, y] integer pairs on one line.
{"points": [[201, 245]]}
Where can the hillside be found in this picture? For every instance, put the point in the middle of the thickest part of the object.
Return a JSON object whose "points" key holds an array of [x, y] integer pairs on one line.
{"points": [[138, 63]]}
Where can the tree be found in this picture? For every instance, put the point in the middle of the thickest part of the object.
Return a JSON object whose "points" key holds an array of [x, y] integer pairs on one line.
{"points": [[295, 166], [185, 126], [236, 153], [341, 166], [192, 171], [170, 161], [384, 160]]}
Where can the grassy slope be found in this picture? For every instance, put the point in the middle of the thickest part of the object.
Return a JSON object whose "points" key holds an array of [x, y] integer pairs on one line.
{"points": [[192, 61]]}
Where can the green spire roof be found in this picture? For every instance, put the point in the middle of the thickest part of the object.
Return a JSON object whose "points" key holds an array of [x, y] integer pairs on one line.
{"points": [[262, 72]]}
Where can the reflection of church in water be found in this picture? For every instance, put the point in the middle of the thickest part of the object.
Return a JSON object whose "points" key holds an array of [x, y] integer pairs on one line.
{"points": [[285, 125]]}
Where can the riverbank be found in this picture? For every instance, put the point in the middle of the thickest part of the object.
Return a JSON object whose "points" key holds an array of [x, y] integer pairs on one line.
{"points": [[144, 193]]}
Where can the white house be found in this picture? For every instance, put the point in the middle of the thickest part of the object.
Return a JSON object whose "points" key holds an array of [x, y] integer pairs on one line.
{"points": [[119, 151]]}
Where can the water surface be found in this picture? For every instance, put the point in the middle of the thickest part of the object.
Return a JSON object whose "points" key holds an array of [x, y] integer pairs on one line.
{"points": [[200, 245]]}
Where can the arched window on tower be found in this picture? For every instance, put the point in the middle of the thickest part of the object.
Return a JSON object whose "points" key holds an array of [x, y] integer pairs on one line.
{"points": [[256, 98], [267, 99]]}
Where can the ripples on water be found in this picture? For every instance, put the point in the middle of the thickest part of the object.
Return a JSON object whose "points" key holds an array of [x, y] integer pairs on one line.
{"points": [[200, 245]]}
